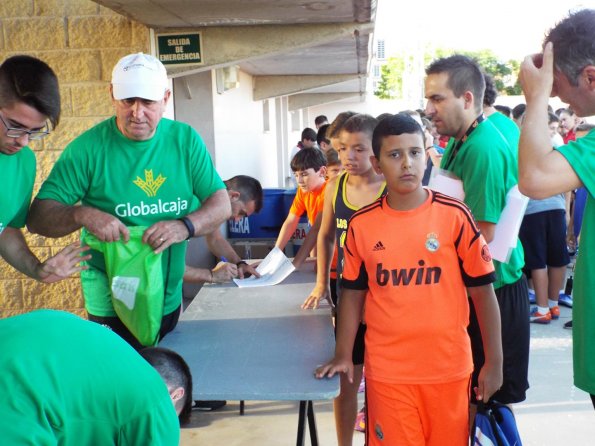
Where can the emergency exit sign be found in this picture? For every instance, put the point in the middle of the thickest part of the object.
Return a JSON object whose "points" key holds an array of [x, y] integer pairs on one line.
{"points": [[179, 49]]}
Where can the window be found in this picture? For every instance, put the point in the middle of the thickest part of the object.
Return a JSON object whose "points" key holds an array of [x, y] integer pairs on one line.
{"points": [[380, 49]]}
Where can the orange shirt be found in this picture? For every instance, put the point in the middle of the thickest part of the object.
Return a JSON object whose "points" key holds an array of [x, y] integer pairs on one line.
{"points": [[415, 266], [309, 202]]}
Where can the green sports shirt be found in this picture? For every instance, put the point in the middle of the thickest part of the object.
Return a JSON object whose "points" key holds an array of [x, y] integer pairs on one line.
{"points": [[18, 176], [139, 182], [581, 156], [69, 382], [488, 168]]}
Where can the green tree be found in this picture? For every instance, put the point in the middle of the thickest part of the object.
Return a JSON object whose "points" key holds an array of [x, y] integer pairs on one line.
{"points": [[391, 83], [505, 73]]}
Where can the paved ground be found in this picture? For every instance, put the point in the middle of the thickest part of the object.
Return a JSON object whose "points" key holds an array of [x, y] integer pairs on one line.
{"points": [[555, 412]]}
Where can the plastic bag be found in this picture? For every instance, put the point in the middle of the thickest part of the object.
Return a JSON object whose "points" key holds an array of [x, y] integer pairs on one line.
{"points": [[135, 279]]}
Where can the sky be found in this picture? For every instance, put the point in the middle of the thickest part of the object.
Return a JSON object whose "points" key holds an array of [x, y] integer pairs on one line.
{"points": [[512, 29]]}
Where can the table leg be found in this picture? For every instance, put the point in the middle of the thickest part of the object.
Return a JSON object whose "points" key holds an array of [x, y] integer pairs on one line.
{"points": [[301, 423], [306, 415], [312, 424]]}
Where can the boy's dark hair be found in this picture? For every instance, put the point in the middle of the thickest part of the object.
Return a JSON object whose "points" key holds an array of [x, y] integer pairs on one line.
{"points": [[573, 40], [491, 92], [320, 119], [30, 81], [249, 188], [381, 116], [308, 159], [309, 134], [464, 74], [503, 109], [337, 125], [321, 135], [332, 158], [175, 373], [518, 110], [360, 123], [551, 117], [395, 125]]}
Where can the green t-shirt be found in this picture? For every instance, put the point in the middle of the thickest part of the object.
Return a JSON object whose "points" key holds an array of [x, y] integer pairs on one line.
{"points": [[67, 381], [487, 165], [18, 176], [141, 183], [510, 131], [581, 156]]}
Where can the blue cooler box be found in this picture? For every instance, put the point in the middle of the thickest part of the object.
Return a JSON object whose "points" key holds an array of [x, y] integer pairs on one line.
{"points": [[303, 226]]}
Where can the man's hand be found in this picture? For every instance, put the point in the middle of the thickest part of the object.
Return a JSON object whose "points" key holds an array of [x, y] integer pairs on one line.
{"points": [[537, 75], [224, 272], [336, 365], [102, 225], [163, 234], [313, 300], [245, 270], [64, 264]]}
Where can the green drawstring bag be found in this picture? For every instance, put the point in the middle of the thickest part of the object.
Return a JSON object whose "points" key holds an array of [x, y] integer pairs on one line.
{"points": [[135, 279]]}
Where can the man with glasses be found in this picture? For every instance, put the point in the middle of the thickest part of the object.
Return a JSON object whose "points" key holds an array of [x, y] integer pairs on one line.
{"points": [[134, 169], [29, 98]]}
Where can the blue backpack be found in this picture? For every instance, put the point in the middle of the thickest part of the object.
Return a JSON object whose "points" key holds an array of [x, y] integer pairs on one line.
{"points": [[494, 425]]}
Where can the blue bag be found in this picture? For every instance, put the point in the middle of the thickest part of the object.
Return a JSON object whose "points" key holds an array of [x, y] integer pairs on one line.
{"points": [[495, 425]]}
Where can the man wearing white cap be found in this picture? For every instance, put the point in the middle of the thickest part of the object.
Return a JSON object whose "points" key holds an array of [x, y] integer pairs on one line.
{"points": [[134, 169]]}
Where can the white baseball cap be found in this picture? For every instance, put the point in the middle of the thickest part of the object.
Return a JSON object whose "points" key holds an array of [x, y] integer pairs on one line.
{"points": [[139, 76]]}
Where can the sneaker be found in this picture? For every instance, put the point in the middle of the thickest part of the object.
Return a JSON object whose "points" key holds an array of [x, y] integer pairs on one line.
{"points": [[532, 299], [568, 325], [565, 299], [207, 406], [555, 312], [360, 420], [539, 318]]}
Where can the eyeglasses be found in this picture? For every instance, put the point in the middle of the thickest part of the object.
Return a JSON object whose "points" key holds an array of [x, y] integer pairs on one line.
{"points": [[13, 132]]}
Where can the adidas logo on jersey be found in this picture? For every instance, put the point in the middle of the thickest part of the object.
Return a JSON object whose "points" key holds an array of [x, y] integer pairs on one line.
{"points": [[378, 246]]}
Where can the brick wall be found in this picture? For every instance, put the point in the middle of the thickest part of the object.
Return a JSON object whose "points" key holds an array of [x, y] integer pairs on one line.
{"points": [[81, 41]]}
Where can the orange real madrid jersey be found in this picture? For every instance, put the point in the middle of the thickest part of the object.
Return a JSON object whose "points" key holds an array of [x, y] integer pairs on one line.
{"points": [[415, 266]]}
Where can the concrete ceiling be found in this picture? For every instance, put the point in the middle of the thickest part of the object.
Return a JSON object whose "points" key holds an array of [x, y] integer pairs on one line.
{"points": [[336, 35]]}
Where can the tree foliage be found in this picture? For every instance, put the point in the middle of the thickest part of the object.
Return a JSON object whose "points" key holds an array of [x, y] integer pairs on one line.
{"points": [[505, 73]]}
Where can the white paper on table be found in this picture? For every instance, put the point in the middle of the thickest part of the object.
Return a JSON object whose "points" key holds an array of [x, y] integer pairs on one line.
{"points": [[447, 183], [273, 270], [507, 228]]}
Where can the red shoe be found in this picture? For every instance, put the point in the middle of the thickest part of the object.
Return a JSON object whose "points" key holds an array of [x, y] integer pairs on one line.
{"points": [[555, 312], [539, 318]]}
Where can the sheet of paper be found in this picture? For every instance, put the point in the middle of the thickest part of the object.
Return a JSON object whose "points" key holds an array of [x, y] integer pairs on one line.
{"points": [[507, 228], [445, 182], [273, 270]]}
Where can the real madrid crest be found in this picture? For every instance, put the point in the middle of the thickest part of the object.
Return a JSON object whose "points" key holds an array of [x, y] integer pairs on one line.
{"points": [[432, 243]]}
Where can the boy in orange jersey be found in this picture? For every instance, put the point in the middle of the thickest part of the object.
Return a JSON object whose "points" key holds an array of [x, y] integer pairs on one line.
{"points": [[412, 256], [309, 169], [358, 186]]}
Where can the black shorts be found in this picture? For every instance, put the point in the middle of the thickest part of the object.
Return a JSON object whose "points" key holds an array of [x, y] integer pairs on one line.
{"points": [[359, 347], [513, 301], [168, 323], [543, 236]]}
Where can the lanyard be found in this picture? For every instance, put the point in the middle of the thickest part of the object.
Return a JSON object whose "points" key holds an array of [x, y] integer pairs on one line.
{"points": [[459, 143]]}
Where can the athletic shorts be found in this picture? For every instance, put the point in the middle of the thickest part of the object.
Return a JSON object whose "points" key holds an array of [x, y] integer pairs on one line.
{"points": [[543, 236], [513, 301], [168, 323], [417, 414]]}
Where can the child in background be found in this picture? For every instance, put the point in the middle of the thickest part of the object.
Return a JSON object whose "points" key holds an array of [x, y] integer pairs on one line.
{"points": [[309, 169], [333, 164], [417, 273]]}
